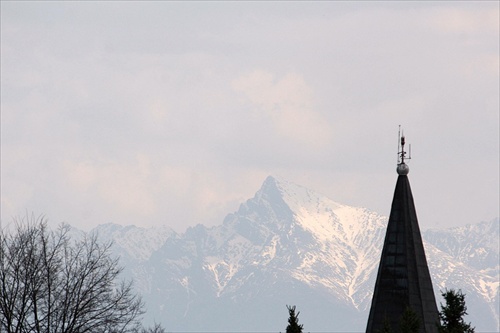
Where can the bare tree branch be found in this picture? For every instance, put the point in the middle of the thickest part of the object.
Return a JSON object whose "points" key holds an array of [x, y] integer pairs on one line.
{"points": [[52, 285]]}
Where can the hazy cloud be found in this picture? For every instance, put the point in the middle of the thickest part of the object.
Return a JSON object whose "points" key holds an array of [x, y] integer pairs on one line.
{"points": [[287, 105], [174, 113]]}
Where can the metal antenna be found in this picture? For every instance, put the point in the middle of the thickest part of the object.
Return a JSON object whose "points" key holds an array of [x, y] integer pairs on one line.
{"points": [[402, 168], [399, 144]]}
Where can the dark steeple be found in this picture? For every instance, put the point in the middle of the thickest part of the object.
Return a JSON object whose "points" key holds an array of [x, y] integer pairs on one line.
{"points": [[403, 278]]}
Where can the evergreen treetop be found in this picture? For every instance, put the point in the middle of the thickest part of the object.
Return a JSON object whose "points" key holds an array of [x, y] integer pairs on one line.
{"points": [[409, 321], [452, 313], [293, 321]]}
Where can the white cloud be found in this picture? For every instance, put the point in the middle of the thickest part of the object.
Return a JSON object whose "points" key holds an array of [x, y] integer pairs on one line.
{"points": [[128, 188], [288, 104], [466, 21], [155, 112]]}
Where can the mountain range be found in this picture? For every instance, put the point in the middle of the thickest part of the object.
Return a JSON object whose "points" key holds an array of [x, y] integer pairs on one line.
{"points": [[289, 245]]}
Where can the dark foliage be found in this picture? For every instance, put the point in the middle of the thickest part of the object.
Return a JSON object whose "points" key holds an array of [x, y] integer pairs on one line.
{"points": [[452, 313], [386, 328], [409, 321], [293, 321]]}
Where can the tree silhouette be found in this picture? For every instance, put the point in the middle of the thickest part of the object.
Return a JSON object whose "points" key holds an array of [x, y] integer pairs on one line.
{"points": [[293, 321], [409, 321], [49, 283], [156, 328], [386, 328], [452, 313]]}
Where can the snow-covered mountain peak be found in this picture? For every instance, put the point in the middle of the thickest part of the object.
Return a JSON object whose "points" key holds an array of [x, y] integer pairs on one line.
{"points": [[324, 218], [291, 245], [476, 245], [294, 195], [139, 243], [107, 229]]}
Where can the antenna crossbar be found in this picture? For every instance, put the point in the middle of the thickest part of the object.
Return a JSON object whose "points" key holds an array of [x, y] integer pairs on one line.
{"points": [[402, 168]]}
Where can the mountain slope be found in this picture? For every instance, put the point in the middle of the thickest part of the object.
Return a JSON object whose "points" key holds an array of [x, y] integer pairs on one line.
{"points": [[474, 245], [290, 245]]}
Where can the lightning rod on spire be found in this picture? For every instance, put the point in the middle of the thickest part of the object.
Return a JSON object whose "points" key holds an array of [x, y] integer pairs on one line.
{"points": [[402, 167]]}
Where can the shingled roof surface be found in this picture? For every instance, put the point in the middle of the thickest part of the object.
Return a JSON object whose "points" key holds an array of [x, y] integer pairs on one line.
{"points": [[403, 278]]}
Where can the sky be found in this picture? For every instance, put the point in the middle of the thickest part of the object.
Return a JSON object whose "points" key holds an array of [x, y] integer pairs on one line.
{"points": [[174, 113]]}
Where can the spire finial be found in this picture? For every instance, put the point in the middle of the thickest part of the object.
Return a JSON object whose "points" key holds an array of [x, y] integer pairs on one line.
{"points": [[402, 167]]}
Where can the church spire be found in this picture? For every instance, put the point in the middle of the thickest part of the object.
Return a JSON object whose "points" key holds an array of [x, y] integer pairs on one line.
{"points": [[403, 279]]}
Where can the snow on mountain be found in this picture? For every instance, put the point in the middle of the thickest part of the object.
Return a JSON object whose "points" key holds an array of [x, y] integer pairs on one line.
{"points": [[481, 289], [291, 245], [138, 243], [134, 246], [345, 242], [476, 245]]}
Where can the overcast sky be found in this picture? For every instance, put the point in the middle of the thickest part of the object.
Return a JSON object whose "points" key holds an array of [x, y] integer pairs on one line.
{"points": [[174, 113]]}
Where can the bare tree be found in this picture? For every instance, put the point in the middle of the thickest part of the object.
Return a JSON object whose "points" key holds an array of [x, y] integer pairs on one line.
{"points": [[156, 328], [51, 284]]}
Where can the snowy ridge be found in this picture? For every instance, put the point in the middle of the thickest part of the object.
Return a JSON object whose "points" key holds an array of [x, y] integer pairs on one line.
{"points": [[475, 245], [138, 243], [333, 224], [291, 245]]}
